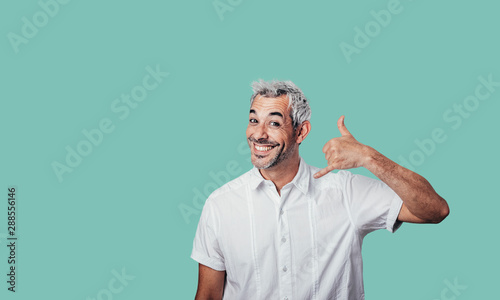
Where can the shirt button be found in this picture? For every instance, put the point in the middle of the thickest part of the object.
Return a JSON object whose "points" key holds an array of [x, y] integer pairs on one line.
{"points": [[284, 269], [283, 240], [281, 211], [286, 298]]}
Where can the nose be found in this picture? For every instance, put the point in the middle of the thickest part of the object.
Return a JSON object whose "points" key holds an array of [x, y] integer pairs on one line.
{"points": [[260, 132]]}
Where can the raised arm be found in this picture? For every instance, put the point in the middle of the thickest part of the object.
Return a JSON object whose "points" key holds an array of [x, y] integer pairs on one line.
{"points": [[421, 204], [210, 283]]}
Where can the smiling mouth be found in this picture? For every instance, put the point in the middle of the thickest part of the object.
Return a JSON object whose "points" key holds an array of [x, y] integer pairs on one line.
{"points": [[263, 148]]}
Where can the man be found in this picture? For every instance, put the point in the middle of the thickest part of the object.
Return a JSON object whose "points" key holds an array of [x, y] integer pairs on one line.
{"points": [[287, 230]]}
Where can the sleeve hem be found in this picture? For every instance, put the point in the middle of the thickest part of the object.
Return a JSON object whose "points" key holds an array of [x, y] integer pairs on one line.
{"points": [[207, 261], [392, 223]]}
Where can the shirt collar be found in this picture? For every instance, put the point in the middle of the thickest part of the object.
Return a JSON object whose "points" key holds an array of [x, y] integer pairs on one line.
{"points": [[301, 179]]}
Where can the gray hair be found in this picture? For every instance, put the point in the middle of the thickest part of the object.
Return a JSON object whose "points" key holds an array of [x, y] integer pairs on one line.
{"points": [[300, 112]]}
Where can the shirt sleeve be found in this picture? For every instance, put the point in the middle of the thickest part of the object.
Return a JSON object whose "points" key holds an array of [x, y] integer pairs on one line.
{"points": [[373, 204], [206, 248]]}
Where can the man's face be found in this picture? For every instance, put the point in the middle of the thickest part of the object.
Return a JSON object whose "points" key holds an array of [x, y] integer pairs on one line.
{"points": [[270, 132]]}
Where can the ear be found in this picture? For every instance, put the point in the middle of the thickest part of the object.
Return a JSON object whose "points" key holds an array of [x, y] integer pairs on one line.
{"points": [[302, 131]]}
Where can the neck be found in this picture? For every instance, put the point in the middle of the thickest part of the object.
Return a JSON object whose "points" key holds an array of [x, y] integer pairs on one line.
{"points": [[283, 173]]}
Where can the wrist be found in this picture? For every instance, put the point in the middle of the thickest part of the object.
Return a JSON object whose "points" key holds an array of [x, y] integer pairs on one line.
{"points": [[371, 156]]}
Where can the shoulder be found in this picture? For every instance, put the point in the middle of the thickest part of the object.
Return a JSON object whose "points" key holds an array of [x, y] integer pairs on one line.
{"points": [[232, 188], [330, 180]]}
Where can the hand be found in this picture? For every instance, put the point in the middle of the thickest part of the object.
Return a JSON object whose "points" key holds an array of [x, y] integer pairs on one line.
{"points": [[343, 152]]}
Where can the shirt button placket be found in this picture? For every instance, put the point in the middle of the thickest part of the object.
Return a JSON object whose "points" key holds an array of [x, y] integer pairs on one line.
{"points": [[284, 256]]}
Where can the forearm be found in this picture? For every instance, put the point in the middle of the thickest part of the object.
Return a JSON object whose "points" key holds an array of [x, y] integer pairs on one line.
{"points": [[210, 283], [200, 296], [415, 191]]}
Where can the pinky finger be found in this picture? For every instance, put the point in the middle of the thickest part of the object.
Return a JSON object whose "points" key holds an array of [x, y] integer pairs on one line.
{"points": [[324, 171]]}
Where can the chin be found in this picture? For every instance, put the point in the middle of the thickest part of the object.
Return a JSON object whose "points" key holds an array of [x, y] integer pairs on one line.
{"points": [[264, 164], [259, 163]]}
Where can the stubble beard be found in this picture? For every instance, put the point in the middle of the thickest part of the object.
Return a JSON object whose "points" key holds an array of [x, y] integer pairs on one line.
{"points": [[278, 158]]}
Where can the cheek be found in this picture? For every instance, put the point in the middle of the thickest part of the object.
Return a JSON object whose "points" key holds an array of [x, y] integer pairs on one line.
{"points": [[277, 137], [285, 135]]}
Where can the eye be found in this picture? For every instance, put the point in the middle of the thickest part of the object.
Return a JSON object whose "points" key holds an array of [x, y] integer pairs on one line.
{"points": [[253, 121], [275, 124]]}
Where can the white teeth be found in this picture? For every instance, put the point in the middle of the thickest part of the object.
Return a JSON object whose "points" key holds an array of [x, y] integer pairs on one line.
{"points": [[263, 148]]}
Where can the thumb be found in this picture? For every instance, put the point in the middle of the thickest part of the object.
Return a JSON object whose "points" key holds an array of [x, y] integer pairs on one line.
{"points": [[340, 124]]}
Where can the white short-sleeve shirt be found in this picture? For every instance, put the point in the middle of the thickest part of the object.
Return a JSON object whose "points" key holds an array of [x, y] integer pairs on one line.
{"points": [[304, 244]]}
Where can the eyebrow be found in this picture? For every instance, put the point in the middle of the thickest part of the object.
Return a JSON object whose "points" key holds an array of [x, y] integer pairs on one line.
{"points": [[274, 113]]}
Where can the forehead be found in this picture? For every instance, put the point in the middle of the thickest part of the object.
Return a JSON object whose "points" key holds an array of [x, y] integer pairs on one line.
{"points": [[267, 105]]}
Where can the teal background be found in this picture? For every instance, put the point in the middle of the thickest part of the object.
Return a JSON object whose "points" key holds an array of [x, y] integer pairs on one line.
{"points": [[120, 208]]}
